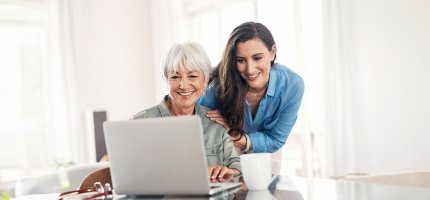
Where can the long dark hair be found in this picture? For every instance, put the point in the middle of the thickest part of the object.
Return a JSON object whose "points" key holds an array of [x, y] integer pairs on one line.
{"points": [[232, 87]]}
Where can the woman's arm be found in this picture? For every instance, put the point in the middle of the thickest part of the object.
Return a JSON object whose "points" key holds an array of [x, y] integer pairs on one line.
{"points": [[273, 139], [263, 141], [208, 98], [239, 141], [270, 140]]}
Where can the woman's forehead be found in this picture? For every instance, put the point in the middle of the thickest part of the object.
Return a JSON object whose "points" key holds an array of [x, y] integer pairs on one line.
{"points": [[181, 69]]}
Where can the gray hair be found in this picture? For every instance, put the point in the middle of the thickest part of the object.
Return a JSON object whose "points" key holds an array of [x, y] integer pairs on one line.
{"points": [[189, 55]]}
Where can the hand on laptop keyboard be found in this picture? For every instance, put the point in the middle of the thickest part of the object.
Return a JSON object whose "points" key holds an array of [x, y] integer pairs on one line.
{"points": [[221, 174]]}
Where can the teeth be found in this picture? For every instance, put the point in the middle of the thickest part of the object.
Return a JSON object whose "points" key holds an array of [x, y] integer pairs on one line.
{"points": [[253, 76], [185, 93]]}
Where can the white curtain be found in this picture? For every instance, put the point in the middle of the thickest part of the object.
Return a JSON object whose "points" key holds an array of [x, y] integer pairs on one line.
{"points": [[338, 62], [168, 27], [63, 114], [39, 125]]}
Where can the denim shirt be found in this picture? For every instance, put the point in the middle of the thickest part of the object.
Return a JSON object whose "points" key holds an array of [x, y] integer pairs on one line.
{"points": [[218, 145], [277, 111]]}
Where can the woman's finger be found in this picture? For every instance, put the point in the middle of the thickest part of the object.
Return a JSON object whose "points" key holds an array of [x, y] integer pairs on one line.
{"points": [[210, 171], [223, 123], [213, 112], [215, 172], [215, 116], [222, 172]]}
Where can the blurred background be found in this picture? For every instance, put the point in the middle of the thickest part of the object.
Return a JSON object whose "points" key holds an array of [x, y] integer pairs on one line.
{"points": [[365, 64]]}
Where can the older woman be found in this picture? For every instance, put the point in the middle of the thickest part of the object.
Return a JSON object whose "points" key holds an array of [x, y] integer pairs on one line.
{"points": [[186, 70]]}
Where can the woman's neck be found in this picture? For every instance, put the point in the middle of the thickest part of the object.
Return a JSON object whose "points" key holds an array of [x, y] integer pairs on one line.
{"points": [[257, 92], [176, 111]]}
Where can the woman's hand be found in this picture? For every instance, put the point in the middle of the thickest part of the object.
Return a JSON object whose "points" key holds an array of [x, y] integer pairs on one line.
{"points": [[239, 141], [221, 174], [216, 116]]}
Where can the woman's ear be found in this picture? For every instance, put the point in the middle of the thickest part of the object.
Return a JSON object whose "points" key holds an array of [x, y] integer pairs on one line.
{"points": [[273, 52]]}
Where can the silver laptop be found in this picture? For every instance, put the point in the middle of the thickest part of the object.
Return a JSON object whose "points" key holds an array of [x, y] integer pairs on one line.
{"points": [[159, 156]]}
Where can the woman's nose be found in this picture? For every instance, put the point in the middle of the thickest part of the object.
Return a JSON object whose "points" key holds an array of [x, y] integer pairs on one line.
{"points": [[250, 68], [183, 83]]}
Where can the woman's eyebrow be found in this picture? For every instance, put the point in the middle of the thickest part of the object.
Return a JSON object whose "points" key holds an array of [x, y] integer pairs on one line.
{"points": [[257, 54], [190, 72]]}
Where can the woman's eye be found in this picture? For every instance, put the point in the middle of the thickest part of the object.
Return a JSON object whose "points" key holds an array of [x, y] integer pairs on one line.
{"points": [[174, 77], [257, 58], [240, 60], [193, 76]]}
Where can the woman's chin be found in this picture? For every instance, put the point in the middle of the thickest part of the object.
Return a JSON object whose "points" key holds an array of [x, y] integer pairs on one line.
{"points": [[188, 104], [256, 85]]}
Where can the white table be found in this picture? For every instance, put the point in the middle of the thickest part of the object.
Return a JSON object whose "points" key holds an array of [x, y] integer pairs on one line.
{"points": [[297, 188]]}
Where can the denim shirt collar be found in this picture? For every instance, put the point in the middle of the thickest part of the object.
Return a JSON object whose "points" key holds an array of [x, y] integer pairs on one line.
{"points": [[271, 89]]}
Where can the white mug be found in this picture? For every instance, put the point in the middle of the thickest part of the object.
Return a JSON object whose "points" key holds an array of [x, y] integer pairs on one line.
{"points": [[259, 195], [256, 170]]}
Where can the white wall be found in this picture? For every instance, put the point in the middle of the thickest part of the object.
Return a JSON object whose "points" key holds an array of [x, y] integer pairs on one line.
{"points": [[114, 54], [390, 97], [387, 43]]}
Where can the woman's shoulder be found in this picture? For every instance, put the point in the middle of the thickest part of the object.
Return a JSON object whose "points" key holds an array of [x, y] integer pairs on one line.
{"points": [[288, 76], [201, 112], [153, 111], [285, 71], [207, 123], [201, 108], [208, 98]]}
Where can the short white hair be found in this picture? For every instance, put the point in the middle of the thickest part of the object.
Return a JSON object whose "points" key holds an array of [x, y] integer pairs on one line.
{"points": [[189, 55]]}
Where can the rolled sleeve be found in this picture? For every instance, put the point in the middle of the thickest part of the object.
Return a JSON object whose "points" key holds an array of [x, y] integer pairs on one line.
{"points": [[208, 98], [273, 139]]}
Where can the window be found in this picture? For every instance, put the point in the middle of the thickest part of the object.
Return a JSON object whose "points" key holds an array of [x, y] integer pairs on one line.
{"points": [[27, 136], [211, 26]]}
